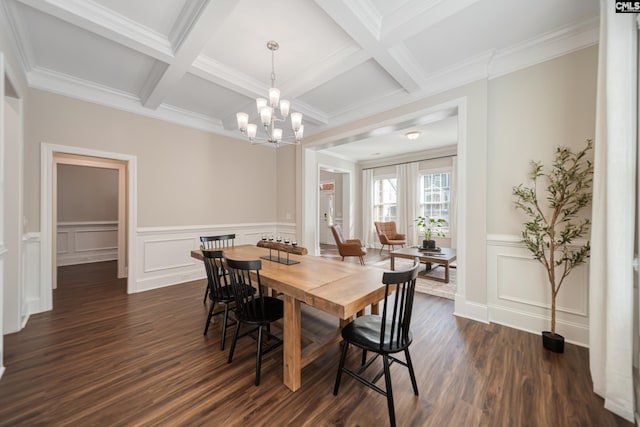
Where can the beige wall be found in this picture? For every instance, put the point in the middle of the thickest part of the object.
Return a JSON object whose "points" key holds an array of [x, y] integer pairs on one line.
{"points": [[286, 191], [87, 194], [185, 176], [530, 113]]}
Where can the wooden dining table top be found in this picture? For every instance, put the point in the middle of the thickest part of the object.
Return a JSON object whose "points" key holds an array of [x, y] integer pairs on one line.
{"points": [[304, 280]]}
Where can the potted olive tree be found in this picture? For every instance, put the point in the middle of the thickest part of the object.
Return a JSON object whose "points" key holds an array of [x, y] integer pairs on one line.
{"points": [[430, 226], [550, 231]]}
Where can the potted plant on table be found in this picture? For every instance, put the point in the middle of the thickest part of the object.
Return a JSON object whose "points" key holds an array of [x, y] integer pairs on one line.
{"points": [[430, 227], [550, 231]]}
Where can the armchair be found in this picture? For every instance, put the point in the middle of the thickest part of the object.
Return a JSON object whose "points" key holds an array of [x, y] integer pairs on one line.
{"points": [[351, 247], [389, 236]]}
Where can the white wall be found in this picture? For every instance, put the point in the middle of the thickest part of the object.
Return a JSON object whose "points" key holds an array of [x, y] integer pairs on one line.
{"points": [[13, 83], [13, 298]]}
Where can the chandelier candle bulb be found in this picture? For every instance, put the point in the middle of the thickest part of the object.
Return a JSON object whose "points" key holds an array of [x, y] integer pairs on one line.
{"points": [[284, 108], [252, 129], [296, 121], [243, 120], [265, 116], [260, 104], [274, 97], [299, 133], [277, 134]]}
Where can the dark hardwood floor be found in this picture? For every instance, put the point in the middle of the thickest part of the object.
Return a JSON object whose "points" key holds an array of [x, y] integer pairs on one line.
{"points": [[105, 358]]}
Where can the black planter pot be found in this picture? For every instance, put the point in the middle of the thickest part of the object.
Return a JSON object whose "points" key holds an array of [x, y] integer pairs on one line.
{"points": [[429, 244], [553, 342]]}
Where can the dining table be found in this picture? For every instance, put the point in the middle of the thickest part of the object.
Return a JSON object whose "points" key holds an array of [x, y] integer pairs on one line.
{"points": [[340, 289]]}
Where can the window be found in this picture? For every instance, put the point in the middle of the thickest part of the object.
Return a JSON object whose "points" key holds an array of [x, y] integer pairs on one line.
{"points": [[435, 196], [385, 199]]}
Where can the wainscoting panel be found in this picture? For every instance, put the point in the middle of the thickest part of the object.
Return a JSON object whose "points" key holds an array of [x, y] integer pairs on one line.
{"points": [[519, 295], [31, 289], [85, 242], [163, 253]]}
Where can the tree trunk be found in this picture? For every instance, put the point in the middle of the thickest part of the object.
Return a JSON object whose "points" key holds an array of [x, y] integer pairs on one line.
{"points": [[553, 313]]}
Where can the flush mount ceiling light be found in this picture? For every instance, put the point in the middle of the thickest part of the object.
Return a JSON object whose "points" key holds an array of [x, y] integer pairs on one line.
{"points": [[414, 134], [269, 117]]}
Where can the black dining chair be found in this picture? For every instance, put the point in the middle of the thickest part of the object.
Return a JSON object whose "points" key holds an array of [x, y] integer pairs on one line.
{"points": [[384, 335], [253, 308], [221, 242], [220, 291]]}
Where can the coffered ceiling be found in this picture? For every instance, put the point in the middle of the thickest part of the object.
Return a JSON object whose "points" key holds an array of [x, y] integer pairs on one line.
{"points": [[198, 62]]}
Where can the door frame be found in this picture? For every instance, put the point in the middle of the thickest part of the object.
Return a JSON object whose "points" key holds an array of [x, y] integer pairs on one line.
{"points": [[47, 226]]}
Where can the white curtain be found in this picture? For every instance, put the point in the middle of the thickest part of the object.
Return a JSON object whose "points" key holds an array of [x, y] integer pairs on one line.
{"points": [[407, 179], [369, 236], [613, 214], [453, 202]]}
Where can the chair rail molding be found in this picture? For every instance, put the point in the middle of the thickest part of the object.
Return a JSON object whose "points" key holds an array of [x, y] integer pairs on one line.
{"points": [[86, 242]]}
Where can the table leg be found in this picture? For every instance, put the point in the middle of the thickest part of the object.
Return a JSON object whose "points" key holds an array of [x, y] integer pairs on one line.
{"points": [[375, 308], [393, 264], [446, 273], [292, 351]]}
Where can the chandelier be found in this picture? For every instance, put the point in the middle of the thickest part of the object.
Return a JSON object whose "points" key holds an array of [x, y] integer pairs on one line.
{"points": [[269, 117]]}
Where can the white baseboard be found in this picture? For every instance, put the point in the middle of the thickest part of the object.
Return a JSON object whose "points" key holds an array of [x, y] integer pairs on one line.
{"points": [[86, 258], [1, 369], [574, 333], [157, 282], [470, 310]]}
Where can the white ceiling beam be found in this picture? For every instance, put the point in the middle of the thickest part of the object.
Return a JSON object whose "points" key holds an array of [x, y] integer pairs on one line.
{"points": [[100, 20], [358, 20], [192, 40], [416, 16]]}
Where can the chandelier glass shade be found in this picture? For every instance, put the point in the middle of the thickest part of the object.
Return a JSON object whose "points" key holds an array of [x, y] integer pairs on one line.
{"points": [[267, 111]]}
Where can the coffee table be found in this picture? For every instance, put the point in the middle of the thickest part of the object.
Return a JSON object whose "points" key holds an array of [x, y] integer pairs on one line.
{"points": [[444, 257]]}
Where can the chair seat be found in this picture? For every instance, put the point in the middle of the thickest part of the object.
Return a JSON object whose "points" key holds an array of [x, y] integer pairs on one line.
{"points": [[396, 242], [364, 332], [273, 310]]}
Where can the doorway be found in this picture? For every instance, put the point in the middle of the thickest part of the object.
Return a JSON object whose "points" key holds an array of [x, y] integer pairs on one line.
{"points": [[51, 155], [89, 211], [327, 211], [334, 204]]}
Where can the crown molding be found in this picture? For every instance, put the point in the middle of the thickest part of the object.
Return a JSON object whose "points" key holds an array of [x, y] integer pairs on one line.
{"points": [[19, 35], [63, 84], [545, 47]]}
